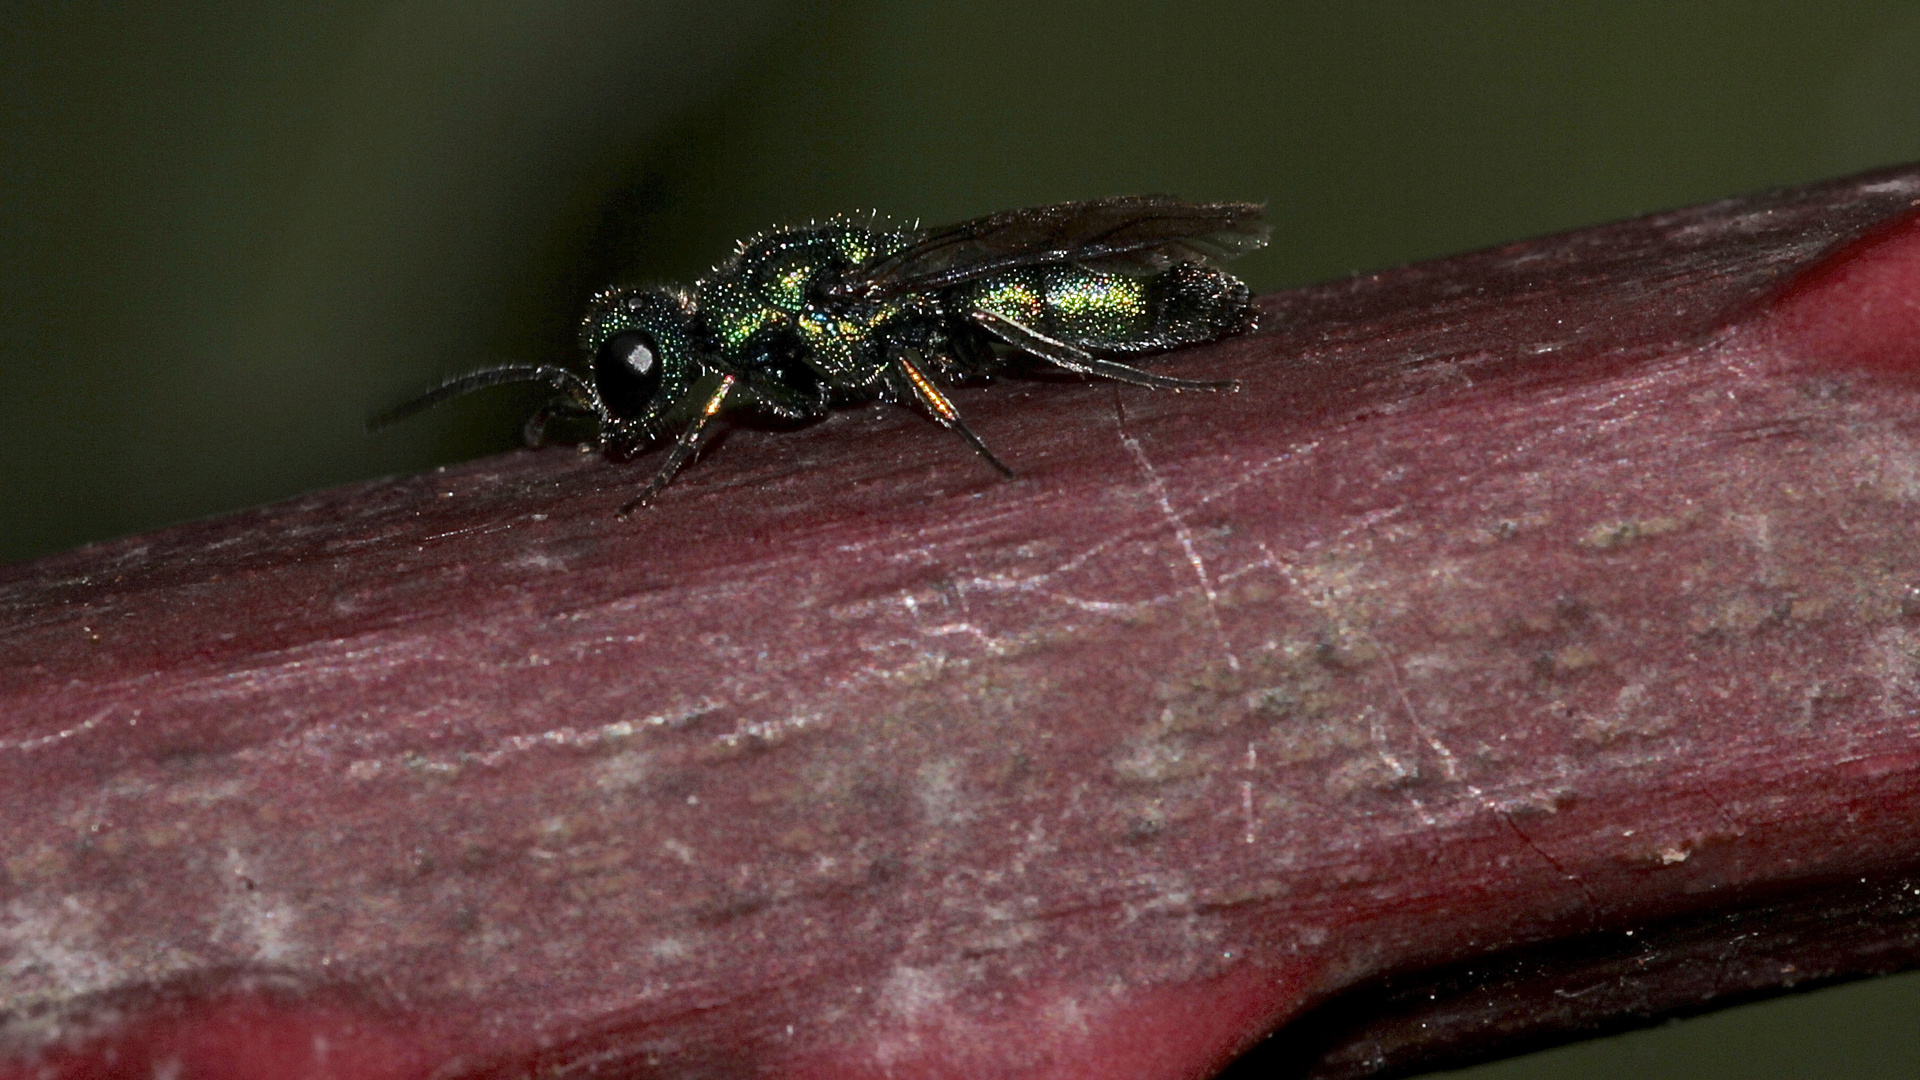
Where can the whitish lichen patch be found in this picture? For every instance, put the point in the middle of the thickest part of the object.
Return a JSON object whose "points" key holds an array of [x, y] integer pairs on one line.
{"points": [[1609, 535]]}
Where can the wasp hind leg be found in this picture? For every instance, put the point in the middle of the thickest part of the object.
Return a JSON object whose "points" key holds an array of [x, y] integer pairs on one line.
{"points": [[936, 403], [1081, 362]]}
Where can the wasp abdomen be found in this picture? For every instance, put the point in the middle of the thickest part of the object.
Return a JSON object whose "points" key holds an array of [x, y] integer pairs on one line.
{"points": [[1192, 302], [1181, 305]]}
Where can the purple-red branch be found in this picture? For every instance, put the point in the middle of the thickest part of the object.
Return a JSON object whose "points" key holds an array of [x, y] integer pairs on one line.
{"points": [[1519, 600]]}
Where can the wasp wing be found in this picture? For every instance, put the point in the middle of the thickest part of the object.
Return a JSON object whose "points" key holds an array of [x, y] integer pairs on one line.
{"points": [[1130, 234]]}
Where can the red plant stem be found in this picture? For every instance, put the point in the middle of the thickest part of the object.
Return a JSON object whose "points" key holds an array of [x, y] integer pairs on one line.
{"points": [[1519, 601]]}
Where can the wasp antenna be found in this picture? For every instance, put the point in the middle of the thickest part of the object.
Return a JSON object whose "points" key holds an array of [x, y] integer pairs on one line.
{"points": [[461, 385]]}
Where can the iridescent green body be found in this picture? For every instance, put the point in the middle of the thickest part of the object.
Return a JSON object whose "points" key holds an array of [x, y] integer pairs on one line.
{"points": [[762, 315], [769, 317], [1183, 305], [802, 320]]}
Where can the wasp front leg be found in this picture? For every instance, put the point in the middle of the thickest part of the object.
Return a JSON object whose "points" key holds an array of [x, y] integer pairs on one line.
{"points": [[711, 394], [534, 431]]}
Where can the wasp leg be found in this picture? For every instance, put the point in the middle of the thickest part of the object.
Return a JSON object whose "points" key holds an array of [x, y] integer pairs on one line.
{"points": [[769, 398], [688, 444], [1078, 360], [534, 432], [973, 358], [936, 403]]}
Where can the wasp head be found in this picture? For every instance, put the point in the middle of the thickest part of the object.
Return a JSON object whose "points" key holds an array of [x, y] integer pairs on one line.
{"points": [[640, 346]]}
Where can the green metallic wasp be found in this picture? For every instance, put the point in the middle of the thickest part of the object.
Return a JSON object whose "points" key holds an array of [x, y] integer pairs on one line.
{"points": [[801, 321]]}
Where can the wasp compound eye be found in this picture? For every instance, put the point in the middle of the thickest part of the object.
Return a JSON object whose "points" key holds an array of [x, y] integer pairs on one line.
{"points": [[627, 371]]}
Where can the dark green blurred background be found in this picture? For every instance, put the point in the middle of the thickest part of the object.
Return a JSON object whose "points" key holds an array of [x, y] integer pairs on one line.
{"points": [[230, 230]]}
